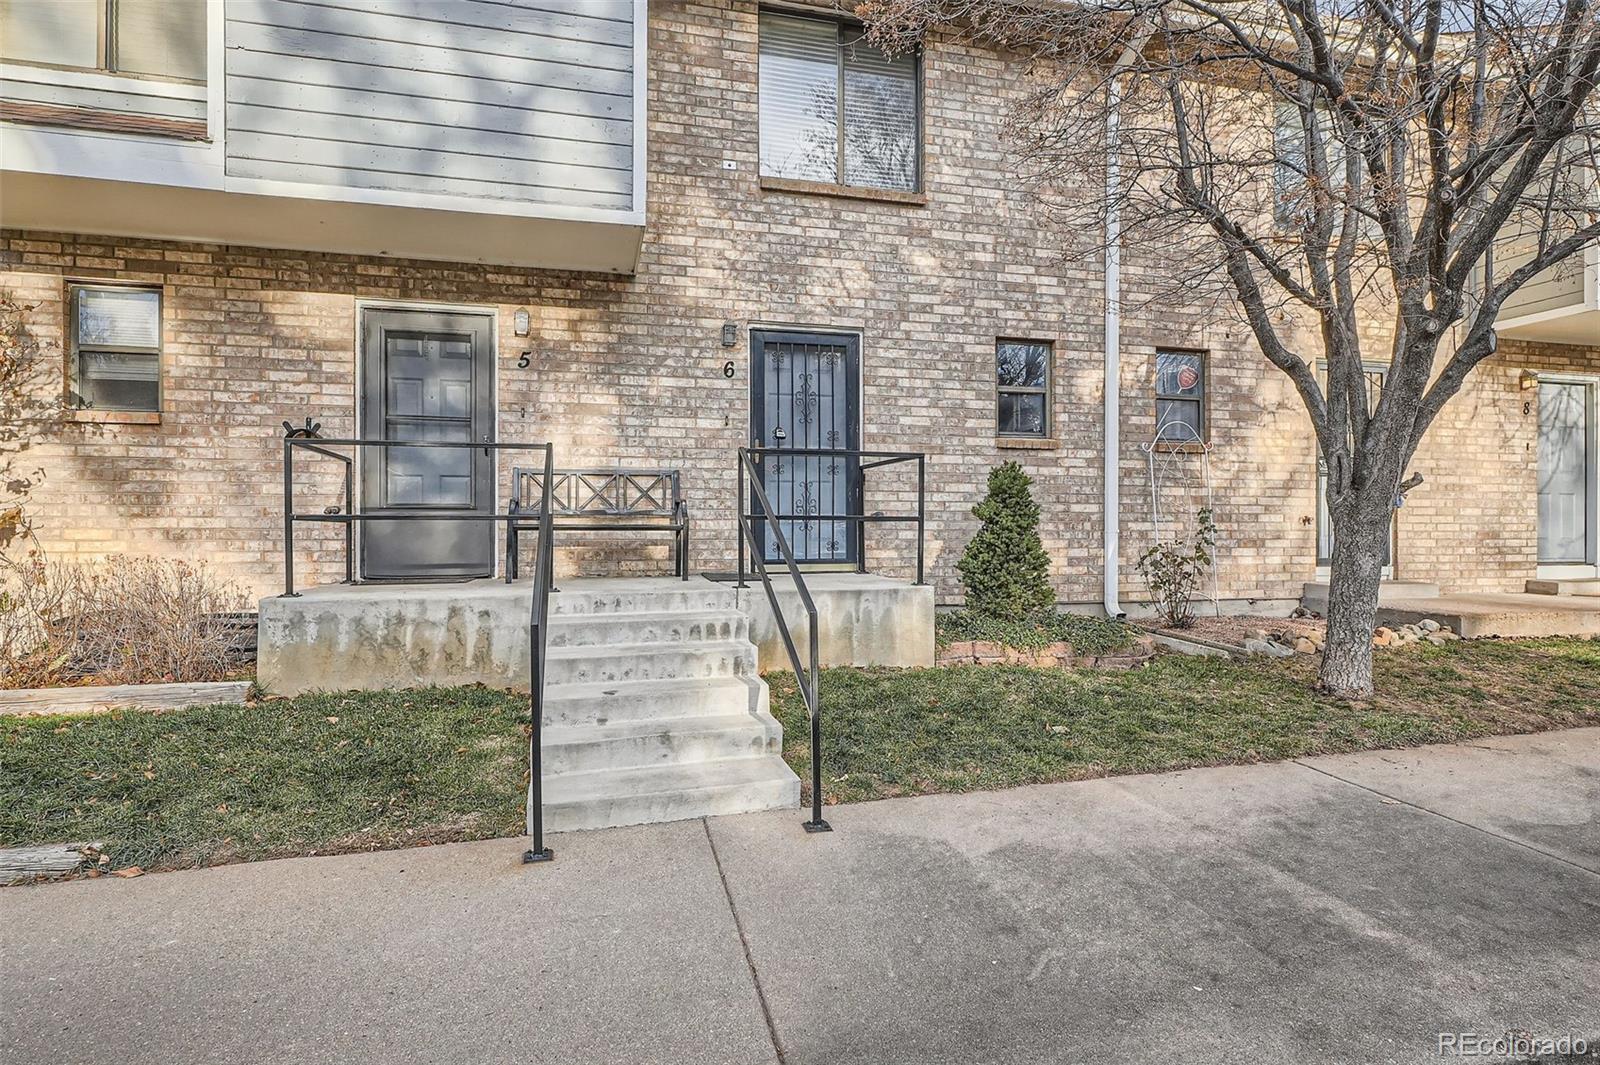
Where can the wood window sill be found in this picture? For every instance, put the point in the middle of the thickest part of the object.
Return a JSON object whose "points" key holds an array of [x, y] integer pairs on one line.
{"points": [[115, 417], [1027, 443], [85, 118], [846, 192]]}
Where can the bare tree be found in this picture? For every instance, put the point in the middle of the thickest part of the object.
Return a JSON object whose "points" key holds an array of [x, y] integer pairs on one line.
{"points": [[1329, 164], [30, 403]]}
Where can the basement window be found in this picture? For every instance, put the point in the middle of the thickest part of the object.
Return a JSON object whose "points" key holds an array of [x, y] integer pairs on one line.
{"points": [[116, 347]]}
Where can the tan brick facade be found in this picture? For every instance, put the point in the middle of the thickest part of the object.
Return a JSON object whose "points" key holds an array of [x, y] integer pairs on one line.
{"points": [[629, 370]]}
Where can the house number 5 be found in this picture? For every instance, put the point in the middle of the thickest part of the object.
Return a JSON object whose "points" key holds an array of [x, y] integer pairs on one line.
{"points": [[727, 369], [522, 360]]}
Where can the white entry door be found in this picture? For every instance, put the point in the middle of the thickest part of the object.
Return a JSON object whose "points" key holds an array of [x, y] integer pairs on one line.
{"points": [[1567, 491]]}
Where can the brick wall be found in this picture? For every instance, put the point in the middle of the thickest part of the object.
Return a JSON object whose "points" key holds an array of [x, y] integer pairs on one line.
{"points": [[630, 369]]}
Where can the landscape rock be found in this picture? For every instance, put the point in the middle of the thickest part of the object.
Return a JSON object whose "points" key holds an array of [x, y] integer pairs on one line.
{"points": [[1428, 625], [1305, 646]]}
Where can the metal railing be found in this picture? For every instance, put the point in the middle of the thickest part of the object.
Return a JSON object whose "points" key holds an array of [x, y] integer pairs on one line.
{"points": [[859, 522], [806, 673], [807, 677], [306, 439]]}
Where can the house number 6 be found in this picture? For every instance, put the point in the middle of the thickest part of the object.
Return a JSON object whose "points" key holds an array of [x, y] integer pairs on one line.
{"points": [[727, 369]]}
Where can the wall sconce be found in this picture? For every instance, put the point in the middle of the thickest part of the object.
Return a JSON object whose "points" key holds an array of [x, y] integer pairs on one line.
{"points": [[730, 334], [1528, 380], [521, 322]]}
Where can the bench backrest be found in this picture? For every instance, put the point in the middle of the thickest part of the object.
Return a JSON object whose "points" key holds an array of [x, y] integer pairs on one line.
{"points": [[599, 493]]}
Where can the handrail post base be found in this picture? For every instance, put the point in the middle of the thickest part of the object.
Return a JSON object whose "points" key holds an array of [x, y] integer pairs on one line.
{"points": [[290, 595], [818, 825], [531, 856]]}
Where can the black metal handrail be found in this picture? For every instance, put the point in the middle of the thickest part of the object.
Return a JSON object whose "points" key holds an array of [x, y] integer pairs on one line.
{"points": [[538, 626], [543, 582], [348, 516], [806, 678], [858, 521]]}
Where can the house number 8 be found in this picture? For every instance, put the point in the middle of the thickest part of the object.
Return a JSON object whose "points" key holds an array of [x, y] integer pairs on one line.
{"points": [[727, 369]]}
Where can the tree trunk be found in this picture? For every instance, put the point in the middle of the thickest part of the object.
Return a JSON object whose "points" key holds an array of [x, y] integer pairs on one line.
{"points": [[1357, 568]]}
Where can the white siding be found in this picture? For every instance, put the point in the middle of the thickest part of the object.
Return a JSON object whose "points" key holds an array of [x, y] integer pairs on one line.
{"points": [[526, 100], [1559, 287]]}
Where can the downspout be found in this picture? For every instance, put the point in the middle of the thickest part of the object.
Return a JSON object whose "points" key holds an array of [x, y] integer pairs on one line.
{"points": [[1111, 519]]}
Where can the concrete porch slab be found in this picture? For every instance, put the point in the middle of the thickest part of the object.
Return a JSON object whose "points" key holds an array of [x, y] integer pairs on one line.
{"points": [[862, 619], [342, 637], [1499, 614]]}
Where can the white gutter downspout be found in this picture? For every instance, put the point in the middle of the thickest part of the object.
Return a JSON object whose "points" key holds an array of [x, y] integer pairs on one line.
{"points": [[1111, 519]]}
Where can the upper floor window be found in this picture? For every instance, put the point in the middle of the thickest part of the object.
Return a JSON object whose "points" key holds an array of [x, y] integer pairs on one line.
{"points": [[116, 346], [1022, 376], [835, 109], [151, 38], [1180, 397]]}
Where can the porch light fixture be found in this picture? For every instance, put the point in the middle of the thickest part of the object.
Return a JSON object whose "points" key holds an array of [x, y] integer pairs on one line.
{"points": [[1528, 381], [521, 322], [730, 334]]}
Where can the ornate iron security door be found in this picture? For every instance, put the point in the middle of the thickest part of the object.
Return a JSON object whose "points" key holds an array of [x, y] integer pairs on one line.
{"points": [[804, 390]]}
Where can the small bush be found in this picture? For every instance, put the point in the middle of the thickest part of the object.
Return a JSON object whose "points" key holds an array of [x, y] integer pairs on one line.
{"points": [[1004, 569], [126, 619], [1173, 570], [1088, 634]]}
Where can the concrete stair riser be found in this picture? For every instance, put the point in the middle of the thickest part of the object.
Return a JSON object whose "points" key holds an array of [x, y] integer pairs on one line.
{"points": [[668, 793], [625, 662], [695, 596], [588, 749], [653, 700], [680, 627], [1580, 586]]}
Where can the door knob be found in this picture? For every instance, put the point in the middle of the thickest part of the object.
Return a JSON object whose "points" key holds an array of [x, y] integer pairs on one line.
{"points": [[779, 435]]}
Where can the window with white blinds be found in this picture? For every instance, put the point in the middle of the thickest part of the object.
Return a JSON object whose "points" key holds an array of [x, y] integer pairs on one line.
{"points": [[116, 344], [151, 38], [834, 108]]}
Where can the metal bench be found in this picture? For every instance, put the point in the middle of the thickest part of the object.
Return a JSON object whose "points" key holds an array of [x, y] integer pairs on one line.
{"points": [[601, 500]]}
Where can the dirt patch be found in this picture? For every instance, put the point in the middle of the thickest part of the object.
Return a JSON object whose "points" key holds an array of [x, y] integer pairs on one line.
{"points": [[1233, 630]]}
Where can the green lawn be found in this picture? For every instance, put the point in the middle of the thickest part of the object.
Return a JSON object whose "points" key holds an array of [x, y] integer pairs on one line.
{"points": [[910, 732], [317, 774], [363, 771]]}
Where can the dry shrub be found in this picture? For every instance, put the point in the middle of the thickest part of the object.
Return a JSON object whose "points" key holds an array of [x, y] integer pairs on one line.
{"points": [[125, 619]]}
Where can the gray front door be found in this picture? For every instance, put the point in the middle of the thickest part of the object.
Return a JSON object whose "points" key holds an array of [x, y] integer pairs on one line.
{"points": [[427, 376], [1566, 472], [803, 394]]}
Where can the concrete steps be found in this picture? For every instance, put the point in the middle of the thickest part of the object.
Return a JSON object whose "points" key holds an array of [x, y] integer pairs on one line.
{"points": [[668, 793], [653, 708], [1584, 586]]}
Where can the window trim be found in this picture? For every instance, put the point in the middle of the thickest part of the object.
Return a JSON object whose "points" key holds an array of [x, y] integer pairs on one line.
{"points": [[774, 182], [80, 408], [1202, 402], [1045, 435]]}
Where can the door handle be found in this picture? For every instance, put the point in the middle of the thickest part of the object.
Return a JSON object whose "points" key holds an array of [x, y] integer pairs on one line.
{"points": [[486, 440]]}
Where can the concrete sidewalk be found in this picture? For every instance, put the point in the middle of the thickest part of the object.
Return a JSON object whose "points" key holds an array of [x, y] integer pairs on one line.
{"points": [[1336, 909]]}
